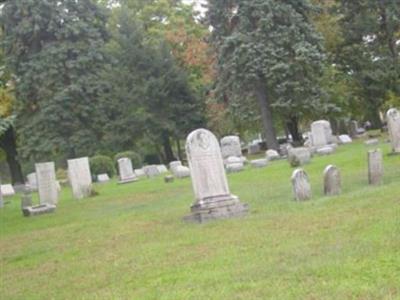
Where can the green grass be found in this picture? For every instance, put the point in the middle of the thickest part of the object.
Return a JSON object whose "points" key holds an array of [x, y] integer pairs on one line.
{"points": [[129, 241]]}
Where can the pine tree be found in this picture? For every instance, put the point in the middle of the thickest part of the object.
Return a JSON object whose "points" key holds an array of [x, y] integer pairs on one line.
{"points": [[54, 48]]}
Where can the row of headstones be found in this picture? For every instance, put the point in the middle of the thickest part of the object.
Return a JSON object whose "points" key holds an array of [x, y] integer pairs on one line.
{"points": [[332, 178]]}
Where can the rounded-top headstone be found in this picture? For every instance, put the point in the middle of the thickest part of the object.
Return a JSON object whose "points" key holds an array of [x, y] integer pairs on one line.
{"points": [[301, 185], [332, 181], [230, 146]]}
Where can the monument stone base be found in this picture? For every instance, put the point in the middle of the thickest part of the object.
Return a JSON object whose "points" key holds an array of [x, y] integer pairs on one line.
{"points": [[128, 180], [214, 208], [38, 210]]}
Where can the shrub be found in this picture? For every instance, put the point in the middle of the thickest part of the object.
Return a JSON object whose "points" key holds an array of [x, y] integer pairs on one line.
{"points": [[100, 164], [132, 155]]}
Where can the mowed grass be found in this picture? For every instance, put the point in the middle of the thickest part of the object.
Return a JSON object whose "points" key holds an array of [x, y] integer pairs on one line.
{"points": [[129, 241]]}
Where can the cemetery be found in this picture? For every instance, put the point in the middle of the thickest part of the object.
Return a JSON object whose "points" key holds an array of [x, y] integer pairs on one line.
{"points": [[199, 149]]}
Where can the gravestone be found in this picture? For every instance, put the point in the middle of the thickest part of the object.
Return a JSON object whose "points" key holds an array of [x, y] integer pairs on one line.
{"points": [[7, 190], [47, 183], [253, 148], [321, 133], [393, 123], [162, 169], [80, 177], [299, 156], [213, 199], [234, 164], [272, 155], [174, 164], [1, 198], [181, 172], [301, 185], [102, 178], [125, 171], [345, 139], [151, 171], [139, 173], [168, 179], [259, 163], [32, 181], [230, 146], [326, 150], [332, 181], [375, 167]]}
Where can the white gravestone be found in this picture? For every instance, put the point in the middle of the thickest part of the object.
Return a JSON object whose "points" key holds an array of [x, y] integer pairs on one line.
{"points": [[139, 173], [80, 177], [151, 171], [213, 199], [230, 146], [174, 164], [321, 133], [162, 169], [332, 181], [47, 183], [125, 170], [102, 178], [375, 167], [301, 185], [32, 181], [7, 190], [1, 198], [393, 123]]}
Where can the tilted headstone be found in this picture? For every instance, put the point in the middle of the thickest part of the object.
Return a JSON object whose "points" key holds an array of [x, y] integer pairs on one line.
{"points": [[332, 181], [47, 183], [32, 181], [80, 177], [393, 123], [301, 185], [299, 156], [125, 171], [230, 146], [375, 167], [7, 190], [102, 178], [213, 199]]}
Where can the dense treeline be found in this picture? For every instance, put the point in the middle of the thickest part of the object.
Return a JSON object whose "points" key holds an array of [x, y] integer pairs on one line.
{"points": [[85, 77]]}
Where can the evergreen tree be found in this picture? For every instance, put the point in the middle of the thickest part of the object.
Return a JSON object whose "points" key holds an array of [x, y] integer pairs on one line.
{"points": [[54, 48], [370, 50], [269, 49]]}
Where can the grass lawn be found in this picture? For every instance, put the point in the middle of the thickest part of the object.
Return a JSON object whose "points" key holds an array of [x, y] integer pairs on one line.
{"points": [[129, 241]]}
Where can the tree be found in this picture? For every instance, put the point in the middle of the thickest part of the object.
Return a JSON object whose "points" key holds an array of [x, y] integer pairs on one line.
{"points": [[269, 49], [54, 48], [370, 51]]}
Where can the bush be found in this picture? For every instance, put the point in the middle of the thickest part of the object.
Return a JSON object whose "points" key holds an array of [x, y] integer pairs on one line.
{"points": [[100, 164], [132, 155]]}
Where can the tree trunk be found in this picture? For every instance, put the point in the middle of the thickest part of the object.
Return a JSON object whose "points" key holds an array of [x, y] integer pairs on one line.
{"points": [[293, 127], [169, 154], [178, 146], [266, 116], [7, 142]]}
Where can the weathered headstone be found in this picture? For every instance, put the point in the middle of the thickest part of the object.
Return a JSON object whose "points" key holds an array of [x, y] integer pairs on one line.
{"points": [[259, 163], [151, 171], [1, 198], [213, 199], [32, 181], [393, 123], [174, 164], [299, 156], [47, 185], [80, 177], [272, 155], [326, 150], [345, 139], [254, 148], [168, 179], [234, 164], [125, 171], [321, 133], [230, 146], [371, 142], [162, 169], [375, 167], [181, 172], [332, 181], [7, 190], [301, 185], [139, 173], [102, 178]]}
